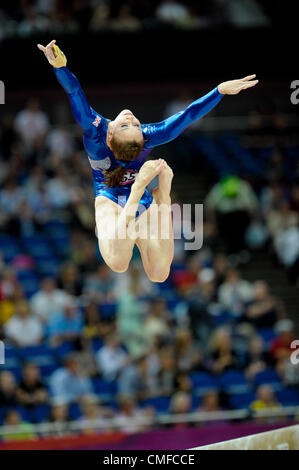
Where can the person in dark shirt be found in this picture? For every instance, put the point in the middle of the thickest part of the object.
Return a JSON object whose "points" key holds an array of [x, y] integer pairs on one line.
{"points": [[265, 310], [257, 358], [31, 390], [8, 388], [223, 356]]}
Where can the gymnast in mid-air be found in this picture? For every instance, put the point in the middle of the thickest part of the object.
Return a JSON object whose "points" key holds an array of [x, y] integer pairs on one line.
{"points": [[117, 152]]}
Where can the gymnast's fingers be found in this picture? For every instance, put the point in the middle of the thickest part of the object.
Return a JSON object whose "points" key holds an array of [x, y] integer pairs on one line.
{"points": [[249, 84], [41, 48], [249, 77]]}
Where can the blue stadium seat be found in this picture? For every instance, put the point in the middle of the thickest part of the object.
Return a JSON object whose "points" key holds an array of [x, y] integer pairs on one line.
{"points": [[97, 344], [58, 234], [30, 281], [23, 412], [47, 265], [268, 376], [9, 247], [234, 381], [202, 382], [112, 404], [161, 404], [288, 396], [104, 389], [63, 350], [42, 356], [20, 409], [37, 245], [75, 411], [39, 413], [108, 311], [56, 229], [268, 334], [12, 362], [196, 400], [241, 400]]}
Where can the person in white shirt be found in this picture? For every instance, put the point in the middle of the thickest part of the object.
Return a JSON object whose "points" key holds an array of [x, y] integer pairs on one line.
{"points": [[111, 358], [31, 123], [235, 292], [48, 300], [24, 328]]}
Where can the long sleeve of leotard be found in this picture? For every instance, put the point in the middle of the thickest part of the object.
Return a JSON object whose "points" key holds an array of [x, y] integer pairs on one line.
{"points": [[167, 130], [83, 113]]}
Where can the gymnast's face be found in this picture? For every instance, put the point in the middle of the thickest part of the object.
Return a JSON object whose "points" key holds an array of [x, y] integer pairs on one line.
{"points": [[125, 127]]}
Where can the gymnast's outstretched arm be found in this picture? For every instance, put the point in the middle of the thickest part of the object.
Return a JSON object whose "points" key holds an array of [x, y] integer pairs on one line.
{"points": [[167, 130], [83, 113]]}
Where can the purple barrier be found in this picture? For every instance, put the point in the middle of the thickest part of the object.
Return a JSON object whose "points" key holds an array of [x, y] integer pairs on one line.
{"points": [[185, 438]]}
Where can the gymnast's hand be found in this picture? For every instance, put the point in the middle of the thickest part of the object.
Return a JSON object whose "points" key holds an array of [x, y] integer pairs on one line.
{"points": [[233, 87], [54, 55]]}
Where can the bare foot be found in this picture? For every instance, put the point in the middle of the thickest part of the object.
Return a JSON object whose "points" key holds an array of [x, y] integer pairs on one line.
{"points": [[162, 193], [147, 173]]}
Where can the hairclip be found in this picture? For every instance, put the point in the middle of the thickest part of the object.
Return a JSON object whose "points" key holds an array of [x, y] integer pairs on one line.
{"points": [[123, 164]]}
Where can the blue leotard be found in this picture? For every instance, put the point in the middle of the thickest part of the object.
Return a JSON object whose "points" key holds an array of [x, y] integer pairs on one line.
{"points": [[95, 128]]}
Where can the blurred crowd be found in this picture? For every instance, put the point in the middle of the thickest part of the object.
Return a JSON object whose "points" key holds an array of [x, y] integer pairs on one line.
{"points": [[83, 343], [28, 17]]}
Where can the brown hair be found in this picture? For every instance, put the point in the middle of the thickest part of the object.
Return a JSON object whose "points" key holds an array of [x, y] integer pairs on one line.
{"points": [[123, 151]]}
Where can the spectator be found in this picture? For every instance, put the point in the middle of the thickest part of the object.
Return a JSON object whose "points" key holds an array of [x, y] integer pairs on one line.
{"points": [[222, 356], [210, 402], [265, 399], [130, 418], [96, 327], [168, 372], [172, 11], [48, 300], [181, 403], [281, 218], [200, 299], [59, 417], [157, 322], [66, 325], [234, 293], [99, 286], [129, 322], [265, 310], [69, 383], [133, 378], [23, 431], [69, 279], [188, 354], [257, 358], [246, 14], [111, 358], [11, 198], [286, 245], [24, 328], [125, 21], [31, 123], [280, 347], [58, 190], [8, 389], [135, 277], [60, 142], [94, 417], [31, 390], [100, 20], [183, 382], [233, 202], [288, 371]]}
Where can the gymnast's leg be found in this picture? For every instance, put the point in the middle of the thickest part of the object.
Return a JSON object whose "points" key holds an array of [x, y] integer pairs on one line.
{"points": [[155, 241], [116, 225]]}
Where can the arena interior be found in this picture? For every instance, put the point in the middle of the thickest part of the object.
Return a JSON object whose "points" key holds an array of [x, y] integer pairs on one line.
{"points": [[98, 360]]}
